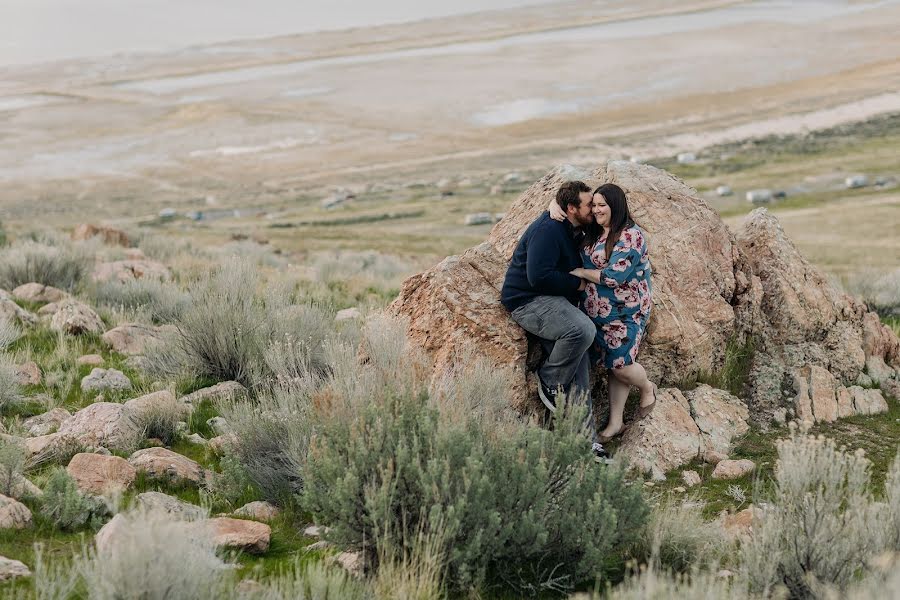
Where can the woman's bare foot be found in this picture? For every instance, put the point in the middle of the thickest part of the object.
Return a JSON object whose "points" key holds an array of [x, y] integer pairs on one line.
{"points": [[648, 402], [608, 434]]}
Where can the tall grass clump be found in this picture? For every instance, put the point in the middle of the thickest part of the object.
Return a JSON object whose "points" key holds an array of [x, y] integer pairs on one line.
{"points": [[162, 301], [10, 390], [310, 581], [154, 556], [654, 584], [9, 333], [822, 525], [880, 291], [63, 266], [679, 539], [516, 506], [12, 467]]}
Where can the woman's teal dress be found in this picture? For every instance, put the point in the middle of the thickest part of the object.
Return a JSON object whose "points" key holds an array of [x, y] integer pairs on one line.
{"points": [[620, 304]]}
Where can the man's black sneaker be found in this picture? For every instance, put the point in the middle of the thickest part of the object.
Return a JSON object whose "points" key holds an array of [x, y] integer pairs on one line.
{"points": [[548, 395], [600, 454]]}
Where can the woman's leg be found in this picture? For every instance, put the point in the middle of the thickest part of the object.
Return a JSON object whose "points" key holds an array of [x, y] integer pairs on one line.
{"points": [[634, 374], [618, 395]]}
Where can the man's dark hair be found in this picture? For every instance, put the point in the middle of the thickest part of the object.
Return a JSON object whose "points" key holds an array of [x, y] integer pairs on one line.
{"points": [[568, 194]]}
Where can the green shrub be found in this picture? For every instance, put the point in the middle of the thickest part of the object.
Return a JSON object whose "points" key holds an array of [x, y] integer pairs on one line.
{"points": [[164, 302], [232, 487], [9, 333], [155, 556], [822, 525], [66, 506], [526, 507], [12, 465], [59, 266], [678, 539]]}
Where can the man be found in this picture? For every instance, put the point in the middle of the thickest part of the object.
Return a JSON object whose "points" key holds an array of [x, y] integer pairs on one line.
{"points": [[542, 297]]}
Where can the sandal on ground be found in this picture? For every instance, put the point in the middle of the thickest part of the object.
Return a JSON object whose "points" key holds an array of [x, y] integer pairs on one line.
{"points": [[643, 411]]}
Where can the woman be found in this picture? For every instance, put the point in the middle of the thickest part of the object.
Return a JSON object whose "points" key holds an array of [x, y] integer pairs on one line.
{"points": [[617, 298]]}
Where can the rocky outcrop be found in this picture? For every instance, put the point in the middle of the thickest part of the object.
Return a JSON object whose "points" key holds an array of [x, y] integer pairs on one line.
{"points": [[682, 427], [704, 292], [10, 569], [74, 318], [812, 340], [110, 235], [161, 463], [38, 292], [104, 424], [131, 339], [98, 474], [125, 270]]}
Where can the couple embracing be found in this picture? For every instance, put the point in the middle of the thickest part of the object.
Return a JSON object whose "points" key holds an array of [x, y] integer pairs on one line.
{"points": [[579, 280]]}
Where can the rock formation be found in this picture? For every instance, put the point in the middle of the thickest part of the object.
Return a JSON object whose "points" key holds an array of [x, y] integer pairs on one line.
{"points": [[711, 287]]}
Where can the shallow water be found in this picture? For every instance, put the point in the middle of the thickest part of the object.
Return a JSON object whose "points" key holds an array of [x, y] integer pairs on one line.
{"points": [[48, 30], [778, 11]]}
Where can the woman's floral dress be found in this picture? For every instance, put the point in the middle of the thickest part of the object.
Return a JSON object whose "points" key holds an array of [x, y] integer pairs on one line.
{"points": [[620, 304]]}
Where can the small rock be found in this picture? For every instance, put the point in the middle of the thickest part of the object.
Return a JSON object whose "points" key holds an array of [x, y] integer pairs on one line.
{"points": [[75, 318], [10, 569], [38, 292], [732, 469], [132, 339], [239, 534], [13, 514], [97, 474], [28, 373], [168, 504], [679, 489], [220, 391], [315, 531], [649, 484], [739, 524], [110, 235], [101, 380], [690, 478], [220, 426], [46, 423], [259, 511], [348, 314], [779, 416], [712, 457], [196, 438], [219, 443], [92, 360], [125, 270], [165, 464], [352, 562]]}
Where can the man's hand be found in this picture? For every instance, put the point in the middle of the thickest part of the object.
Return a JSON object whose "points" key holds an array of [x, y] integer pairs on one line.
{"points": [[556, 213]]}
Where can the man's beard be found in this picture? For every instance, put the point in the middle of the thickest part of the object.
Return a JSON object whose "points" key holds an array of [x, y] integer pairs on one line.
{"points": [[584, 222]]}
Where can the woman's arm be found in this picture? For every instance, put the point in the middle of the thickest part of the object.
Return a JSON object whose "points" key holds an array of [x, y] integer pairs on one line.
{"points": [[592, 275], [556, 213]]}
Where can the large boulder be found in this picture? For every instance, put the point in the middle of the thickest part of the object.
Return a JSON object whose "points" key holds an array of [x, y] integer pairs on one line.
{"points": [[704, 292], [13, 514], [164, 464], [812, 340], [10, 569], [157, 404], [99, 474], [75, 318], [131, 339], [157, 501], [38, 292], [104, 424], [238, 534], [125, 270], [47, 422], [103, 380]]}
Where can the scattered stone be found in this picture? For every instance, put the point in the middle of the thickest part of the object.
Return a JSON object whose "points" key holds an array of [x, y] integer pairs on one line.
{"points": [[101, 380], [132, 339], [13, 514], [739, 524], [162, 402], [690, 478], [125, 270], [104, 424], [348, 314], [680, 489], [732, 469], [220, 426], [28, 373], [239, 534], [258, 511], [165, 464], [10, 569], [97, 474], [315, 531], [220, 391], [352, 562], [38, 292], [711, 457], [171, 505], [92, 360], [75, 318], [220, 443], [10, 311], [196, 438], [110, 235]]}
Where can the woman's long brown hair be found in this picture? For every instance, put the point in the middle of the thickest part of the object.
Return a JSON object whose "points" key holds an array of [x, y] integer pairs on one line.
{"points": [[619, 220]]}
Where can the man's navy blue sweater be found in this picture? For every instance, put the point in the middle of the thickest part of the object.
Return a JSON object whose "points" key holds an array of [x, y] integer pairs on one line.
{"points": [[541, 263]]}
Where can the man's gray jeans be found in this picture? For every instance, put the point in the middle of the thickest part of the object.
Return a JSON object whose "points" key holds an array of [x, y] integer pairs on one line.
{"points": [[566, 333]]}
